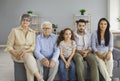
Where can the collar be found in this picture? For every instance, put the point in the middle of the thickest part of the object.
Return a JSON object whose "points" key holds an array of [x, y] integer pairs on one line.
{"points": [[20, 28], [51, 35], [76, 34]]}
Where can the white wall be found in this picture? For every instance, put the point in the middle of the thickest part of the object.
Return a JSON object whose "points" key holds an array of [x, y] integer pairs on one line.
{"points": [[59, 12], [114, 13]]}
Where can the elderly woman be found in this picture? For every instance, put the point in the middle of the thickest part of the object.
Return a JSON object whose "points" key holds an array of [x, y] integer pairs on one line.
{"points": [[21, 44]]}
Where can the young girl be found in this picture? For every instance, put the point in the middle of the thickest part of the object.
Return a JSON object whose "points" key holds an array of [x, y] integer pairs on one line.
{"points": [[67, 50], [102, 44]]}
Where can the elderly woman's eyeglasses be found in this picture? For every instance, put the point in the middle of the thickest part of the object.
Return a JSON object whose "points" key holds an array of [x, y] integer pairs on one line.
{"points": [[28, 20]]}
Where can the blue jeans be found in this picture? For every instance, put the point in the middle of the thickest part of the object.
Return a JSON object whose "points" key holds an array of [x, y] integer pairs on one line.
{"points": [[63, 71]]}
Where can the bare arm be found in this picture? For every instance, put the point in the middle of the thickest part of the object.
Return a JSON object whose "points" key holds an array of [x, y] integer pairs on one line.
{"points": [[62, 56], [72, 54]]}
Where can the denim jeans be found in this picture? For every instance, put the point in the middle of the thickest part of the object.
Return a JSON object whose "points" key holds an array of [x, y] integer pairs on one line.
{"points": [[63, 71]]}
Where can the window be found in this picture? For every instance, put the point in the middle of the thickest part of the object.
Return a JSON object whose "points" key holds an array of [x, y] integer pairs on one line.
{"points": [[114, 13]]}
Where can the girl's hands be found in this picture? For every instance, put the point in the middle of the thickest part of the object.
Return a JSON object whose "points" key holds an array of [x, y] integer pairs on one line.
{"points": [[68, 63]]}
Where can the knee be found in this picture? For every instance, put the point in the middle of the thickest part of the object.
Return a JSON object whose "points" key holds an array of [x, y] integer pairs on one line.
{"points": [[92, 59], [28, 56], [78, 58], [93, 63]]}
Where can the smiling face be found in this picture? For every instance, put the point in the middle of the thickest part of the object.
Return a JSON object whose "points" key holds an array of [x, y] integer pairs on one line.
{"points": [[25, 22], [103, 25], [47, 29]]}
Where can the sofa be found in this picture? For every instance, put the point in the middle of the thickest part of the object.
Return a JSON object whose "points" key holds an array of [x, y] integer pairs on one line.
{"points": [[20, 74]]}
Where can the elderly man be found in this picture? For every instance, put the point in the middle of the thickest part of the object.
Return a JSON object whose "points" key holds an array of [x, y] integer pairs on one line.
{"points": [[47, 52]]}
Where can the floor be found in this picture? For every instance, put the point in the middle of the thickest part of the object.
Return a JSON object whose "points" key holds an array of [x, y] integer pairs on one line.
{"points": [[6, 66]]}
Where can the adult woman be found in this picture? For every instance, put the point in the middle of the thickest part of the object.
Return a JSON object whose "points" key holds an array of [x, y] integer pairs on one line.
{"points": [[102, 44], [21, 44]]}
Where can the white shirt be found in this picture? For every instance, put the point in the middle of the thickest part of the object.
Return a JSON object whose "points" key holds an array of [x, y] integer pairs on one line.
{"points": [[80, 43], [86, 40]]}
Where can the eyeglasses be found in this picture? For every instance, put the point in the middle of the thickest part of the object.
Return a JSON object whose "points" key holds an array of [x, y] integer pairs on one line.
{"points": [[46, 28], [28, 20]]}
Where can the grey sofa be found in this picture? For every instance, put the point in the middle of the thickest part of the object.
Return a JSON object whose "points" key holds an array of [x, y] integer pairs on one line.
{"points": [[116, 69], [20, 74]]}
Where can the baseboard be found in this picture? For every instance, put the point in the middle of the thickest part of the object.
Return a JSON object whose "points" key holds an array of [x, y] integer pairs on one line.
{"points": [[2, 45]]}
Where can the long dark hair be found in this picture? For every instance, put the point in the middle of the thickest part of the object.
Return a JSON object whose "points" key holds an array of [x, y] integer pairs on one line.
{"points": [[61, 35], [107, 32]]}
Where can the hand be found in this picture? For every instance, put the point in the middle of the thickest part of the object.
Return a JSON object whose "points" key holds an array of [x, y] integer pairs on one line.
{"points": [[101, 56], [67, 65], [22, 53], [80, 52], [52, 64], [45, 62], [84, 53], [18, 57], [69, 62], [107, 57], [15, 54]]}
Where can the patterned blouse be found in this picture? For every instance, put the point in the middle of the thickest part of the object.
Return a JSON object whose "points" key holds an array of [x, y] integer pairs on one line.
{"points": [[67, 48]]}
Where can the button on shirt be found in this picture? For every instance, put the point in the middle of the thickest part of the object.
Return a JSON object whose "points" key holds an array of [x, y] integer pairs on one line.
{"points": [[46, 47], [17, 40], [80, 43], [85, 42]]}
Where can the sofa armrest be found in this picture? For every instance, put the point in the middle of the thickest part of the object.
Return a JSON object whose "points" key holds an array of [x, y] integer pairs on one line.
{"points": [[116, 54]]}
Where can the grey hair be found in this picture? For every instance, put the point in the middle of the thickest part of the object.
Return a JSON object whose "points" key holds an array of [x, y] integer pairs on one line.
{"points": [[25, 16], [46, 22]]}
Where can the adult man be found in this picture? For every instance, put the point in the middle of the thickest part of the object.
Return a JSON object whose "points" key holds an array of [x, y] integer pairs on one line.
{"points": [[83, 50], [46, 51]]}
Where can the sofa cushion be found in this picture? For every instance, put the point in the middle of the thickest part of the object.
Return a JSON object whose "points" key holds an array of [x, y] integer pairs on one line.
{"points": [[116, 54], [115, 63]]}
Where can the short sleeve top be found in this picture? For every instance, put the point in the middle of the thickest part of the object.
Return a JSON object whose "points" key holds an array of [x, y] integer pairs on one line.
{"points": [[67, 48]]}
